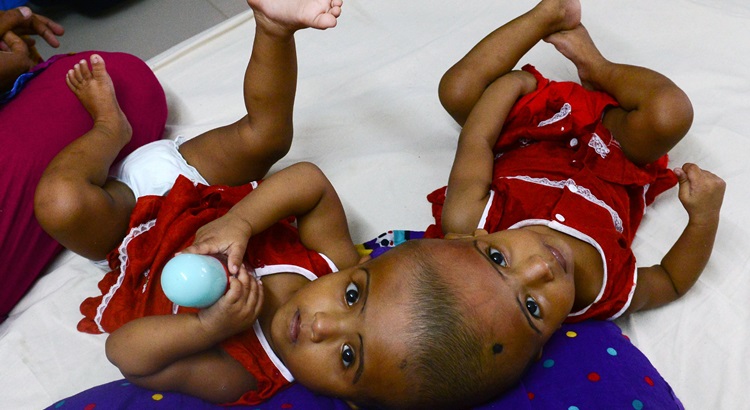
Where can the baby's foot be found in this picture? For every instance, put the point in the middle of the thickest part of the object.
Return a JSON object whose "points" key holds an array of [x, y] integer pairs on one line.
{"points": [[95, 91], [579, 48], [560, 14], [297, 14]]}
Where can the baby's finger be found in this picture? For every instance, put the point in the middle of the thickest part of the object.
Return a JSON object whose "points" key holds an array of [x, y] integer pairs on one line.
{"points": [[254, 297], [681, 175], [259, 300], [234, 293], [248, 282], [201, 248], [235, 258]]}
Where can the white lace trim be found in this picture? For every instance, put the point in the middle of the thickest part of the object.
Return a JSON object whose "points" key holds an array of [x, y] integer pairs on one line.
{"points": [[486, 212], [283, 268], [577, 189], [581, 236], [134, 232], [630, 296], [599, 146], [565, 110], [271, 354]]}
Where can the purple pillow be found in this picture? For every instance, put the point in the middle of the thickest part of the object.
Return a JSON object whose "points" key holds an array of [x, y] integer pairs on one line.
{"points": [[588, 365]]}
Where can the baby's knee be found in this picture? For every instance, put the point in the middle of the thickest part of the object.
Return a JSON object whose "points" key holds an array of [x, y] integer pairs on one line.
{"points": [[671, 115], [57, 205], [455, 90]]}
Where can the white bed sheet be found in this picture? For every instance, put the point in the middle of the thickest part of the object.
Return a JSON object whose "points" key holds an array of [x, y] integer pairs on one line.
{"points": [[367, 113]]}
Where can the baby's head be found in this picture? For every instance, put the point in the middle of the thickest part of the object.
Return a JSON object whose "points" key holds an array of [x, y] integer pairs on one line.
{"points": [[428, 324]]}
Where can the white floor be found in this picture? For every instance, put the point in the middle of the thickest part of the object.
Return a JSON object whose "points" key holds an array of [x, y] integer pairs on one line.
{"points": [[144, 28]]}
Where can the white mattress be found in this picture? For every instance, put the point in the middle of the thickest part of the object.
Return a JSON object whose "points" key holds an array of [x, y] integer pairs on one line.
{"points": [[368, 114]]}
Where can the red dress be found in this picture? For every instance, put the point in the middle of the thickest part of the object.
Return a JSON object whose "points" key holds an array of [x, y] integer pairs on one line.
{"points": [[557, 165], [163, 225]]}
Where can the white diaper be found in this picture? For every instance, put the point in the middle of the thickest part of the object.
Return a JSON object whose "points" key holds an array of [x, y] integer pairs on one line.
{"points": [[153, 168]]}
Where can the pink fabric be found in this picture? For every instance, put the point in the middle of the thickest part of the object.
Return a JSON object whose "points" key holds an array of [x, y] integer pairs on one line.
{"points": [[34, 127]]}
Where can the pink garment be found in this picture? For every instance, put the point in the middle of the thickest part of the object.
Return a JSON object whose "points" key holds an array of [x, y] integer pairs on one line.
{"points": [[34, 126]]}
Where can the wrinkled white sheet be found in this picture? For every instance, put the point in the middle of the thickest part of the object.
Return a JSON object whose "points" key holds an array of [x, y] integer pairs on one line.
{"points": [[367, 113]]}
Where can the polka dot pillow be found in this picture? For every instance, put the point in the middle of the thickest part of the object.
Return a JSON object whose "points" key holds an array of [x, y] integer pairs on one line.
{"points": [[589, 365]]}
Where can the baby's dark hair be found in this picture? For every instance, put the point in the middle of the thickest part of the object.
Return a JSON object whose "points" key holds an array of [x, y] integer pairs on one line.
{"points": [[446, 357], [445, 362]]}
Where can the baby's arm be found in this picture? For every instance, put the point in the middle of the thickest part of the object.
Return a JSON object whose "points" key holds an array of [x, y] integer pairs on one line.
{"points": [[301, 190], [181, 352], [471, 174], [701, 193]]}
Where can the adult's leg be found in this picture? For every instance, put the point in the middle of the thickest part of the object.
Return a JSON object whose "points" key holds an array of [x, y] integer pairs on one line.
{"points": [[654, 113], [499, 52], [37, 124], [245, 150]]}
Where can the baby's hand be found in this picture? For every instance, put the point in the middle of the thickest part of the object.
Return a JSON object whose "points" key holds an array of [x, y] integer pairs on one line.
{"points": [[227, 235], [237, 310], [701, 193]]}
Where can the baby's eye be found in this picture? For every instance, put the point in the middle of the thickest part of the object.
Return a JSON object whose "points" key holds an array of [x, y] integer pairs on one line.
{"points": [[533, 307], [352, 294], [347, 355], [498, 257]]}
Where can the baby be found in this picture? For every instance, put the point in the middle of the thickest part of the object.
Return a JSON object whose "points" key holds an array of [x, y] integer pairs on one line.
{"points": [[385, 332], [550, 182]]}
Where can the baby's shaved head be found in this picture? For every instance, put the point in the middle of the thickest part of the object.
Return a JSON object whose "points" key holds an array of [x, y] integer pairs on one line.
{"points": [[447, 355]]}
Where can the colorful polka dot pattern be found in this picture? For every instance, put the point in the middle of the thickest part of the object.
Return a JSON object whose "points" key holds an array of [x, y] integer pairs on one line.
{"points": [[124, 395], [612, 373], [584, 366]]}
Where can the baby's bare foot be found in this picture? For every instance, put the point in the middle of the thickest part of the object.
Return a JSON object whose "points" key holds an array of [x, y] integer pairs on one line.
{"points": [[292, 15], [95, 91], [579, 48]]}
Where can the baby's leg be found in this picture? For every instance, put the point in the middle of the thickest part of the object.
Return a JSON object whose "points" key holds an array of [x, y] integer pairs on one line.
{"points": [[246, 150], [499, 52], [654, 113], [75, 202]]}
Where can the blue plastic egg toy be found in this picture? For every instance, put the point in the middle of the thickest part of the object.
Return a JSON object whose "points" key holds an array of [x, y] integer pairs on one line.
{"points": [[194, 280]]}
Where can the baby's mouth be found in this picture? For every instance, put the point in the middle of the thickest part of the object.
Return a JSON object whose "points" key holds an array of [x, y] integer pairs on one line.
{"points": [[559, 257], [294, 325]]}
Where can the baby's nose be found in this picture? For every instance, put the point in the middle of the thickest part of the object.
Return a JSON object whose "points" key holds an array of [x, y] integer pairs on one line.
{"points": [[325, 326], [538, 269]]}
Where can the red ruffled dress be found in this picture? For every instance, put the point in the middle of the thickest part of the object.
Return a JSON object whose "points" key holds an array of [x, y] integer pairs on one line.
{"points": [[557, 165], [160, 226]]}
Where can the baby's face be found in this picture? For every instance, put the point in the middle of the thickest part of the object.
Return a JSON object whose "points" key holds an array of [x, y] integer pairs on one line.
{"points": [[346, 333], [342, 334], [519, 286]]}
